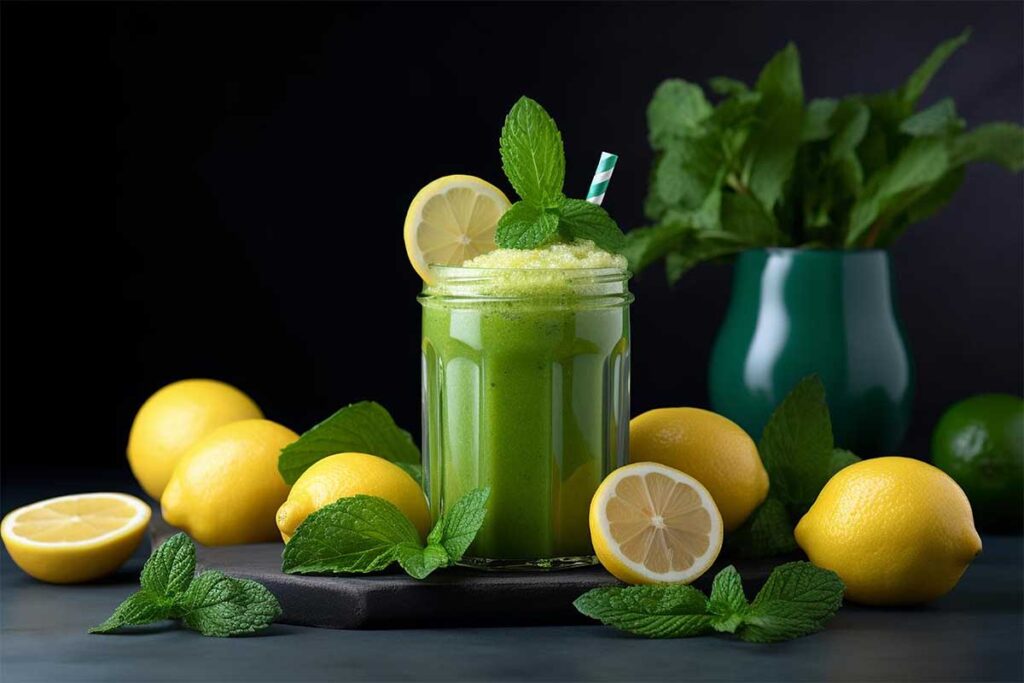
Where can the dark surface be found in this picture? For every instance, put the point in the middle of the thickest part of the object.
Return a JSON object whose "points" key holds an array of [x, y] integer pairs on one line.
{"points": [[391, 599], [973, 634], [218, 189]]}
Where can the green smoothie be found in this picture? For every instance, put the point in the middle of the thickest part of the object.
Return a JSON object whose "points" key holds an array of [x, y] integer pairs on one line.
{"points": [[526, 373]]}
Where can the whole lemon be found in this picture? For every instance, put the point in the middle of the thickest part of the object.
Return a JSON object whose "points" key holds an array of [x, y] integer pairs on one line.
{"points": [[349, 474], [176, 417], [895, 530], [226, 487], [712, 449]]}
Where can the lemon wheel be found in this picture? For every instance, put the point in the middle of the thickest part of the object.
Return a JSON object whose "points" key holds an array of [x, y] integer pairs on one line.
{"points": [[452, 220], [654, 524]]}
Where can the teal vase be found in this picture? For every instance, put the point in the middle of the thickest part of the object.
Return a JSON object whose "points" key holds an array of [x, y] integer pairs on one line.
{"points": [[797, 312]]}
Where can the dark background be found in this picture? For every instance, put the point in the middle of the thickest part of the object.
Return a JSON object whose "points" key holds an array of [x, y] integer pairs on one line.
{"points": [[219, 189]]}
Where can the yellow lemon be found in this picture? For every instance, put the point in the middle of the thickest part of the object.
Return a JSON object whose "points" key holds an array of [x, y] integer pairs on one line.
{"points": [[712, 449], [652, 524], [452, 220], [76, 538], [226, 487], [895, 530], [349, 474], [176, 417]]}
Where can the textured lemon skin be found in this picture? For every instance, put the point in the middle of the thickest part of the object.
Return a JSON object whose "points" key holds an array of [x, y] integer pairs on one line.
{"points": [[226, 488], [896, 530], [173, 419], [603, 545], [349, 474], [712, 449], [79, 563]]}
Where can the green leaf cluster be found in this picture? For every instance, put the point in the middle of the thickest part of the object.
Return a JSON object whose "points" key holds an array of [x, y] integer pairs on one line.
{"points": [[211, 603], [364, 427], [765, 167], [798, 599], [364, 534], [533, 158], [798, 452]]}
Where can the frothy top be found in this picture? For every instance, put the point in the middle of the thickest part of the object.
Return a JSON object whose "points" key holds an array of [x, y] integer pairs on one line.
{"points": [[579, 254]]}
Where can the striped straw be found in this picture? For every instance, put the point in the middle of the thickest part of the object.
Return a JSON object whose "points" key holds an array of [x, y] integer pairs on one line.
{"points": [[602, 176]]}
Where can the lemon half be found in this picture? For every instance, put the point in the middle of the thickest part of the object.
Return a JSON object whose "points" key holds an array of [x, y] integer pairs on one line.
{"points": [[653, 524], [75, 538], [451, 220]]}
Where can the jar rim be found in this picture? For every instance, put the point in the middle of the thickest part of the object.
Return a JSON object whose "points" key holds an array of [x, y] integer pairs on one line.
{"points": [[455, 283]]}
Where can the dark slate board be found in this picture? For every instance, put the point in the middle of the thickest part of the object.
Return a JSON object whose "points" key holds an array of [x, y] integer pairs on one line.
{"points": [[451, 597]]}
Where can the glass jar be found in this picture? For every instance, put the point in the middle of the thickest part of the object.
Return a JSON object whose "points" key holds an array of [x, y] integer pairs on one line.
{"points": [[525, 391]]}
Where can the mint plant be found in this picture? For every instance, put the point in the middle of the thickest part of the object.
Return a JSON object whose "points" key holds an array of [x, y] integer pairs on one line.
{"points": [[764, 167]]}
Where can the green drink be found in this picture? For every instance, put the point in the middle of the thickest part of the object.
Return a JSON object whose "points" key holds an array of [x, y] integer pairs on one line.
{"points": [[526, 390]]}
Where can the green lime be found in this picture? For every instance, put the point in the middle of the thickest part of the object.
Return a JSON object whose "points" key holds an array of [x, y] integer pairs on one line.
{"points": [[980, 443]]}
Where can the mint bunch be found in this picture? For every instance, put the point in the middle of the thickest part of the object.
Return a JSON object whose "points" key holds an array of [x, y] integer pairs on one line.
{"points": [[364, 427], [366, 534], [798, 452], [798, 599], [764, 167], [211, 603], [533, 158]]}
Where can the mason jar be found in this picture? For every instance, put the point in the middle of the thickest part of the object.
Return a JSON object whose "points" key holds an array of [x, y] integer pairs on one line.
{"points": [[525, 391]]}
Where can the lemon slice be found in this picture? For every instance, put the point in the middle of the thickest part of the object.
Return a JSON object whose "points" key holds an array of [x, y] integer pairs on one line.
{"points": [[653, 524], [451, 220], [75, 538]]}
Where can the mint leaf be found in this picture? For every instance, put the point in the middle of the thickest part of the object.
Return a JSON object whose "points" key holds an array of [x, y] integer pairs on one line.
{"points": [[677, 110], [364, 427], [818, 120], [797, 600], [687, 172], [938, 119], [351, 535], [840, 459], [220, 606], [723, 85], [211, 603], [139, 608], [458, 526], [999, 143], [532, 154], [891, 189], [583, 220], [170, 568], [771, 148], [419, 562], [728, 603], [525, 226], [672, 611], [797, 443], [744, 217], [922, 76], [766, 533]]}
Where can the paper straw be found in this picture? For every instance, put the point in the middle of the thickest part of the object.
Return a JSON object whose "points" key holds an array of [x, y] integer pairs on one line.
{"points": [[602, 176]]}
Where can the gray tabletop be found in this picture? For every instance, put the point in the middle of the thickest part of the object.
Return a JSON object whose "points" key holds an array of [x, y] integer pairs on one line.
{"points": [[973, 634]]}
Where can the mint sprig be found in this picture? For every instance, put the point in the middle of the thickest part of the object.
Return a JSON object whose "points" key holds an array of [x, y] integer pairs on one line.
{"points": [[533, 158], [364, 427], [798, 452], [211, 603], [798, 599], [362, 534]]}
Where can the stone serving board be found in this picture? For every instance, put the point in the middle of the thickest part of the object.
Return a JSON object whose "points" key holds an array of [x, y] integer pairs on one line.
{"points": [[450, 597]]}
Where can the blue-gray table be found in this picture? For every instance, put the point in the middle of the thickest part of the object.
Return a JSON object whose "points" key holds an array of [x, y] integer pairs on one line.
{"points": [[973, 634]]}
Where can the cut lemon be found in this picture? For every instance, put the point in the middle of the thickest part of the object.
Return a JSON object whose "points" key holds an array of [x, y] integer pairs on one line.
{"points": [[76, 538], [451, 220], [653, 524]]}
